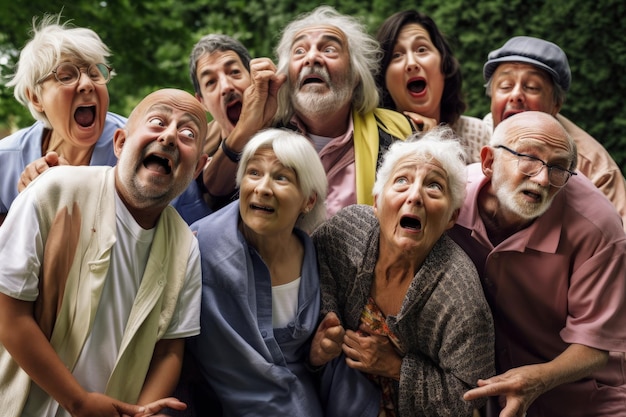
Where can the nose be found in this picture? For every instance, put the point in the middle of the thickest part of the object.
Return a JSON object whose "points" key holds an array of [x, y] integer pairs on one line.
{"points": [[542, 177], [411, 63], [85, 84], [226, 86], [517, 93], [263, 186], [313, 57], [414, 195], [168, 135]]}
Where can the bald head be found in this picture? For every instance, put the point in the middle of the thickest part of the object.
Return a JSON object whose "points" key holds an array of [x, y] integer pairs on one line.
{"points": [[539, 126], [174, 98]]}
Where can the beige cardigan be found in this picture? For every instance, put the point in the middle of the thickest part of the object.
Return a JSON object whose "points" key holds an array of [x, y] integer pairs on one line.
{"points": [[77, 222]]}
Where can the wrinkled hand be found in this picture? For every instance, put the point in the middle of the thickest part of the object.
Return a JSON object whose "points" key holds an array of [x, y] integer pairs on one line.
{"points": [[99, 405], [371, 353], [516, 388], [155, 407], [260, 98], [35, 168], [423, 124], [327, 340]]}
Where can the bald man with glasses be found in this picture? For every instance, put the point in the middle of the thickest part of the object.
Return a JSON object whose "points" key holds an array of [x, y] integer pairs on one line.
{"points": [[550, 250]]}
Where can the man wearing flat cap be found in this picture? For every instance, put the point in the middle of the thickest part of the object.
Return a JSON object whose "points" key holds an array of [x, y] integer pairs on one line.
{"points": [[529, 73]]}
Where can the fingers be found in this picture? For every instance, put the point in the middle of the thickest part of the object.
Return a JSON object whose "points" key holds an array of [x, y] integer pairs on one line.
{"points": [[330, 320], [423, 123], [327, 341], [157, 406], [34, 169]]}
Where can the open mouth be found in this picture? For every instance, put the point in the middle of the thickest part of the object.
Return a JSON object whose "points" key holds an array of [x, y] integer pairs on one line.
{"points": [[312, 80], [233, 111], [85, 115], [412, 223], [508, 114], [416, 86], [158, 164], [535, 196], [265, 209]]}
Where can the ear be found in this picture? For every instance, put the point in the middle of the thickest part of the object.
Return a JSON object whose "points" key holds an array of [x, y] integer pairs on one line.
{"points": [[453, 219], [375, 204], [119, 137], [201, 101], [308, 205], [486, 158], [34, 99], [201, 163]]}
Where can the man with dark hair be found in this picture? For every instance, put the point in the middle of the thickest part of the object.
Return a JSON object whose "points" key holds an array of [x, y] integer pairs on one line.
{"points": [[232, 87]]}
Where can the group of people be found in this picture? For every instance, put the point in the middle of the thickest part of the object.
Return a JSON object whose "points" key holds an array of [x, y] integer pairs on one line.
{"points": [[340, 240]]}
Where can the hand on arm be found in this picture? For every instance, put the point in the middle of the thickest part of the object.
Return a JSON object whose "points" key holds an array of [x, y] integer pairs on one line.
{"points": [[371, 353], [519, 387], [259, 107], [327, 340], [35, 168], [162, 377]]}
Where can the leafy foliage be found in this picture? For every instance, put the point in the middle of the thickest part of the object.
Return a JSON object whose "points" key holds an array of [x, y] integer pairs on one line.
{"points": [[151, 41]]}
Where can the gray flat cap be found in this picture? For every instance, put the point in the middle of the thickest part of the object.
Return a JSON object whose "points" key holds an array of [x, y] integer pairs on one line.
{"points": [[543, 54]]}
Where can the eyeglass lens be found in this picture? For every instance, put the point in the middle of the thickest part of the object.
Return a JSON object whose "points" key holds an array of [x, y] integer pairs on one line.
{"points": [[530, 166], [68, 74]]}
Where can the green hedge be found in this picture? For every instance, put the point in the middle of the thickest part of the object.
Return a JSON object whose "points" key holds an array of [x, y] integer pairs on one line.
{"points": [[151, 41]]}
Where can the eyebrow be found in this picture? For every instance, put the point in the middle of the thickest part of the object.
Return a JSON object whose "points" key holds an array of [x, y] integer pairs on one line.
{"points": [[227, 64], [324, 38], [163, 108]]}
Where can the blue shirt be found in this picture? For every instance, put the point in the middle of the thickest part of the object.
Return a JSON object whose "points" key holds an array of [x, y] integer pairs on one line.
{"points": [[24, 146], [253, 368]]}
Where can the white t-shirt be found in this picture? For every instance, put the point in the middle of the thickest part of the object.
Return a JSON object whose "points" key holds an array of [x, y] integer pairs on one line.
{"points": [[128, 260]]}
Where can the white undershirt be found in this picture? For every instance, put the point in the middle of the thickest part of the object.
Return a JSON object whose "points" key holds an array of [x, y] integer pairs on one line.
{"points": [[285, 303]]}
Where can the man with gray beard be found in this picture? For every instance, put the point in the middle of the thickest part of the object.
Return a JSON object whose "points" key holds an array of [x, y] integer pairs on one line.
{"points": [[331, 97], [549, 249]]}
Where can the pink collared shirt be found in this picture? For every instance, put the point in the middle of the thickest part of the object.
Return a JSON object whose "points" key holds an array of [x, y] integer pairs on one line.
{"points": [[338, 160], [560, 281]]}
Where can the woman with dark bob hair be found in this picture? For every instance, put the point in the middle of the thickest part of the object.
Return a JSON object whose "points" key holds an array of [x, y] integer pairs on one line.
{"points": [[420, 77]]}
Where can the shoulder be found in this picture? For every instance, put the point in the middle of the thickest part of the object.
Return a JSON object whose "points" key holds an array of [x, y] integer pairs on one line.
{"points": [[72, 176], [114, 120], [23, 140], [353, 217], [582, 206]]}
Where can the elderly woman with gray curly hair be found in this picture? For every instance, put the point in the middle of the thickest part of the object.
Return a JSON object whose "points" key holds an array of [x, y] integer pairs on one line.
{"points": [[406, 329]]}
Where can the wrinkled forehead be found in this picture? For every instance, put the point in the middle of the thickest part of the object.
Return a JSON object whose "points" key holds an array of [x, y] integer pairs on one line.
{"points": [[172, 99], [321, 32], [537, 129]]}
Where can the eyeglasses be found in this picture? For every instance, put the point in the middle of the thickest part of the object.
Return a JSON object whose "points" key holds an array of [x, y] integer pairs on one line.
{"points": [[531, 166], [69, 74]]}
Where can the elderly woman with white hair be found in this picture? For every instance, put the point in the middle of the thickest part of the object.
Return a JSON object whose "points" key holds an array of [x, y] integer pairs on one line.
{"points": [[62, 77], [260, 282], [406, 329]]}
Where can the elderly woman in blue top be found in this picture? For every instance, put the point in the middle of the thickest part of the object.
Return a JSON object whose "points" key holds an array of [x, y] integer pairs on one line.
{"points": [[62, 77], [402, 303], [260, 285]]}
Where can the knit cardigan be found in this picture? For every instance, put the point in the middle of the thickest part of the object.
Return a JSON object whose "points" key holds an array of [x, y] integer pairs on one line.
{"points": [[444, 323]]}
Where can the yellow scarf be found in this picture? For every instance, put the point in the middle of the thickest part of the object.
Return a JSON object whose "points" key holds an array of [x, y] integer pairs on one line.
{"points": [[366, 142]]}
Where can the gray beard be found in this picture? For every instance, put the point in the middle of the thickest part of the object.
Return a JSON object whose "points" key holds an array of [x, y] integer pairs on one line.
{"points": [[311, 102]]}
